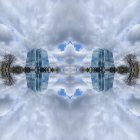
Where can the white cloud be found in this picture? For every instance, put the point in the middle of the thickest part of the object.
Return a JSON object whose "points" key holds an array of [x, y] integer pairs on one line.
{"points": [[5, 106], [92, 116], [134, 33], [5, 33], [134, 106], [95, 24], [70, 55]]}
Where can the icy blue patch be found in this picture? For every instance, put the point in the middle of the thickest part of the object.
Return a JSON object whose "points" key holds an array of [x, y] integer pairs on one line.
{"points": [[62, 47], [78, 92], [62, 92], [77, 47]]}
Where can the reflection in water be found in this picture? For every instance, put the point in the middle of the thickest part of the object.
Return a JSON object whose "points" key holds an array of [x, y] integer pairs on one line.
{"points": [[133, 63], [93, 110], [76, 94], [37, 59], [37, 69], [84, 89], [102, 59], [6, 64], [102, 81], [37, 81]]}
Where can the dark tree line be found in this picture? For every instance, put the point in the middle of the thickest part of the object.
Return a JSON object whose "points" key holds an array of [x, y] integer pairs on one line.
{"points": [[8, 68], [133, 65], [6, 65], [131, 68]]}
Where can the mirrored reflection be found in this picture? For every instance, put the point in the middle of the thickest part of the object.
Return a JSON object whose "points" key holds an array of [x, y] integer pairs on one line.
{"points": [[102, 70], [37, 61], [69, 69], [37, 81], [102, 81], [94, 93], [102, 60]]}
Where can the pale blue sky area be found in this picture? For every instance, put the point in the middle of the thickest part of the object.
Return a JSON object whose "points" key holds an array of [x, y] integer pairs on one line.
{"points": [[77, 93], [77, 46]]}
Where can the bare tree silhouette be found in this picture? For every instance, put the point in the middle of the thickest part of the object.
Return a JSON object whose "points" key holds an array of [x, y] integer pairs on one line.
{"points": [[8, 79], [9, 59], [6, 66], [133, 63]]}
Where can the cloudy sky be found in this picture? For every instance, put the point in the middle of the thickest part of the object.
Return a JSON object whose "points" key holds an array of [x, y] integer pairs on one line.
{"points": [[50, 25]]}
